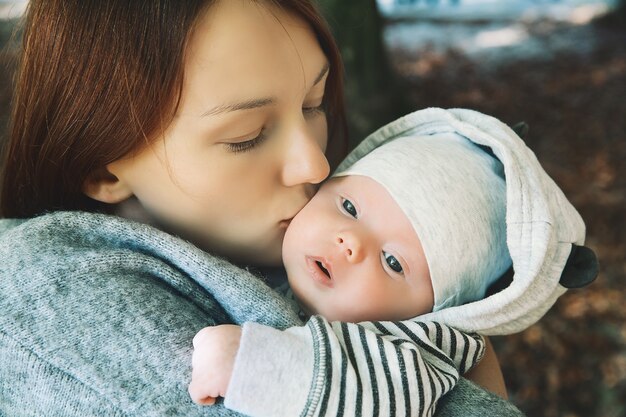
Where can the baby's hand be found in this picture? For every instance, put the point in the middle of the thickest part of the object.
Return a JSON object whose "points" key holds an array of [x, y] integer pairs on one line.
{"points": [[213, 359]]}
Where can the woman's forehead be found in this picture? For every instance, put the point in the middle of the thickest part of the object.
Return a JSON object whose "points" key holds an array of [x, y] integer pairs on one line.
{"points": [[242, 50]]}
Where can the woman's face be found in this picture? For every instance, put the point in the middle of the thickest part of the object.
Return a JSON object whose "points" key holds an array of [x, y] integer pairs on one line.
{"points": [[246, 147]]}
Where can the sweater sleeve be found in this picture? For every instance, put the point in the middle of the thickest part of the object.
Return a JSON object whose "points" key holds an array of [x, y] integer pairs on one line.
{"points": [[333, 368]]}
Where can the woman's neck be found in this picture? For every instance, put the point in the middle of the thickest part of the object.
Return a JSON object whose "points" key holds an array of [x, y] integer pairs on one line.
{"points": [[132, 209]]}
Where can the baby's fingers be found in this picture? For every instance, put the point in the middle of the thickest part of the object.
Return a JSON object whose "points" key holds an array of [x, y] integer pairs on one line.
{"points": [[206, 401], [199, 395]]}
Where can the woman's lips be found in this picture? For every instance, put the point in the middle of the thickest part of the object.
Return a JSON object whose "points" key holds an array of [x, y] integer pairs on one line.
{"points": [[317, 273]]}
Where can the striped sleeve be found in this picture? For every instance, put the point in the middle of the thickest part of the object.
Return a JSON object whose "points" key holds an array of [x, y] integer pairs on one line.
{"points": [[365, 369], [387, 368]]}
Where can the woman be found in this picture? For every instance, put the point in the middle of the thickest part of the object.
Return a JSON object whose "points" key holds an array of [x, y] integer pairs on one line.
{"points": [[210, 120]]}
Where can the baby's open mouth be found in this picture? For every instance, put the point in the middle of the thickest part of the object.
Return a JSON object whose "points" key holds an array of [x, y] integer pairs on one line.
{"points": [[320, 271], [324, 270]]}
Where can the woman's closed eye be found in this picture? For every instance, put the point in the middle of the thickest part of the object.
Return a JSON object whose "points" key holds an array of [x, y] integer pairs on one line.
{"points": [[314, 111], [248, 145]]}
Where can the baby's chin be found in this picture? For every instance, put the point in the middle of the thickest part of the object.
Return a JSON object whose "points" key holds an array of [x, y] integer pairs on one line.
{"points": [[312, 308], [329, 314], [347, 315], [306, 307]]}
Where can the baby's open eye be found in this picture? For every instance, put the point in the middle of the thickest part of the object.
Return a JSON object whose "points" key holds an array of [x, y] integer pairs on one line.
{"points": [[393, 263], [349, 207]]}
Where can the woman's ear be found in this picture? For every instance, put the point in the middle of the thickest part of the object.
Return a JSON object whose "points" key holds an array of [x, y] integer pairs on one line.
{"points": [[105, 187]]}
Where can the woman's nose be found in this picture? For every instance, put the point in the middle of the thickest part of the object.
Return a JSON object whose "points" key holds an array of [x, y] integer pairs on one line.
{"points": [[305, 162], [350, 246]]}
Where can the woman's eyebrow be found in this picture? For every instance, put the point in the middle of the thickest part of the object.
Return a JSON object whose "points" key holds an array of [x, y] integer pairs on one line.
{"points": [[258, 102], [244, 105], [322, 73]]}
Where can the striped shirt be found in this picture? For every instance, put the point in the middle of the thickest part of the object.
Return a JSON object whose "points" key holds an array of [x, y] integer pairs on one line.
{"points": [[362, 367], [382, 368]]}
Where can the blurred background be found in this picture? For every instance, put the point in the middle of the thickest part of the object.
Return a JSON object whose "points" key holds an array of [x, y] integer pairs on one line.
{"points": [[558, 65]]}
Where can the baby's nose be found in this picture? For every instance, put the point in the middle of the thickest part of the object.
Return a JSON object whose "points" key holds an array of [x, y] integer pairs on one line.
{"points": [[350, 245]]}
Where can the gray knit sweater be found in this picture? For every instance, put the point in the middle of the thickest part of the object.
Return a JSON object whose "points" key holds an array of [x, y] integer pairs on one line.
{"points": [[98, 314]]}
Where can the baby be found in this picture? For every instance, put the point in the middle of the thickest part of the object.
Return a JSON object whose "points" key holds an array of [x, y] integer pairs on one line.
{"points": [[391, 259], [416, 225]]}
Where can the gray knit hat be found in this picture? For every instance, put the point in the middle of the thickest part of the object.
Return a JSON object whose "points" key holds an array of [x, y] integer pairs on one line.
{"points": [[454, 195]]}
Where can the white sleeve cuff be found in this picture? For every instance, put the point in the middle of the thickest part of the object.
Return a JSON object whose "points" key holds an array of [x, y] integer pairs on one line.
{"points": [[273, 371]]}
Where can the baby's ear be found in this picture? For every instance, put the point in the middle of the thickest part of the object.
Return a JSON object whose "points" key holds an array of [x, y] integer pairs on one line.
{"points": [[105, 187]]}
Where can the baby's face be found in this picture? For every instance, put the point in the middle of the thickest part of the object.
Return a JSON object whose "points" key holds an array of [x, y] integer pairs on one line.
{"points": [[352, 255]]}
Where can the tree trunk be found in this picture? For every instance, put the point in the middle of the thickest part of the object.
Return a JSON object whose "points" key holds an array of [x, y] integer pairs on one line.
{"points": [[373, 91]]}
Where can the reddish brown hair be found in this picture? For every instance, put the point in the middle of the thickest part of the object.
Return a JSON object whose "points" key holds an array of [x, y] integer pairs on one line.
{"points": [[97, 79]]}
